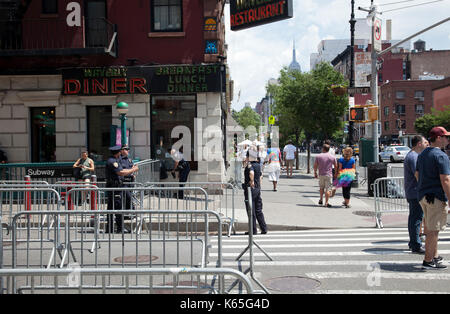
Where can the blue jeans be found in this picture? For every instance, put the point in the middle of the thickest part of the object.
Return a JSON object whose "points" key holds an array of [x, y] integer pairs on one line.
{"points": [[414, 219]]}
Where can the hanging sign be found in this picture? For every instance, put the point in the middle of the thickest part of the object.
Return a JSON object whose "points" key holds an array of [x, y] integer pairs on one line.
{"points": [[249, 13]]}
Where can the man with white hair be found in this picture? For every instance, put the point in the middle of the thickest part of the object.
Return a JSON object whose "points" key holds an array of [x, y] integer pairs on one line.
{"points": [[252, 175]]}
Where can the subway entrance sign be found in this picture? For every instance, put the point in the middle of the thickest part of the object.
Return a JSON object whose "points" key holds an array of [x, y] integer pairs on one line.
{"points": [[249, 13]]}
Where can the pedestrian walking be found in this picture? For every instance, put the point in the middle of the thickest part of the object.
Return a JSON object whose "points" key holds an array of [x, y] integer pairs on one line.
{"points": [[419, 143], [127, 163], [83, 170], [114, 179], [433, 189], [252, 175], [183, 168], [345, 174], [273, 167], [262, 154], [289, 153], [323, 170]]}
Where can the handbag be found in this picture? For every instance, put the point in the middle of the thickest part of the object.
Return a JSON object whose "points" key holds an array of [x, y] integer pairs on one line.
{"points": [[77, 173]]}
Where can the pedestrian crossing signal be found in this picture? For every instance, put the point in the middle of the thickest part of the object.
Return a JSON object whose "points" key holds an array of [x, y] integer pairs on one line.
{"points": [[356, 114]]}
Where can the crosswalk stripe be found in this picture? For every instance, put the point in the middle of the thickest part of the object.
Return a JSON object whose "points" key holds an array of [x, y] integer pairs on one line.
{"points": [[381, 275], [297, 235], [296, 254], [317, 245], [364, 263], [261, 240], [372, 292]]}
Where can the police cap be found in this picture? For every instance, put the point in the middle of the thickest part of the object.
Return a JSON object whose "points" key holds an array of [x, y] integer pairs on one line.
{"points": [[115, 149], [125, 146]]}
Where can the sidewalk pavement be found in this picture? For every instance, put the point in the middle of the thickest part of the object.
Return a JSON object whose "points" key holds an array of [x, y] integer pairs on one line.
{"points": [[295, 207]]}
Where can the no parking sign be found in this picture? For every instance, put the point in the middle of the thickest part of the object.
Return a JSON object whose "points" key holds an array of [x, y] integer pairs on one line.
{"points": [[377, 35]]}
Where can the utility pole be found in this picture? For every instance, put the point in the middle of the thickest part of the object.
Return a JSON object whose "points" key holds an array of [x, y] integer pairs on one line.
{"points": [[374, 83], [352, 66]]}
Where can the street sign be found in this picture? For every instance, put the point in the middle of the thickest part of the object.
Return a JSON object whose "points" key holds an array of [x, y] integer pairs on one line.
{"points": [[377, 35], [359, 90], [272, 120]]}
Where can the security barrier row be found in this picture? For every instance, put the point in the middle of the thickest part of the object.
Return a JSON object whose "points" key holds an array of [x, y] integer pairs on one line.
{"points": [[102, 280], [65, 223], [389, 197]]}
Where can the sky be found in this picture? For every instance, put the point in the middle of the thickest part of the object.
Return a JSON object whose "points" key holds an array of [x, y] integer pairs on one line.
{"points": [[257, 54]]}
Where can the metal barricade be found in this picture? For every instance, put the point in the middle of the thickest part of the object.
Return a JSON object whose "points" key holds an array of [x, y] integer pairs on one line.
{"points": [[30, 230], [148, 171], [81, 232], [179, 246], [78, 280], [221, 198], [389, 197], [18, 198]]}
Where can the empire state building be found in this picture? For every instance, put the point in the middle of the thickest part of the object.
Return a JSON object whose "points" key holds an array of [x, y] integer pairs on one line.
{"points": [[294, 66]]}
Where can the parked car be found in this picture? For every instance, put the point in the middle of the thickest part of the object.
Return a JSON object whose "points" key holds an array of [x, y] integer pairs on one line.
{"points": [[394, 153]]}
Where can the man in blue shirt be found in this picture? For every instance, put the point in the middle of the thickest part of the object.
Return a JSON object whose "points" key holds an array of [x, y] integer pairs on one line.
{"points": [[419, 143], [433, 189]]}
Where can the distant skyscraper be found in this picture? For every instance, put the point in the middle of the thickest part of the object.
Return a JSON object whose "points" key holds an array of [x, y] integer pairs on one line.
{"points": [[294, 66]]}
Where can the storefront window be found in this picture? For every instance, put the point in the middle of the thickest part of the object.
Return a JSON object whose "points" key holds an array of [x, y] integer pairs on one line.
{"points": [[167, 113], [99, 131], [43, 139]]}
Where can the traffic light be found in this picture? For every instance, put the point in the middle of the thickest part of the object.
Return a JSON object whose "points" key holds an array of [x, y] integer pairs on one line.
{"points": [[356, 114]]}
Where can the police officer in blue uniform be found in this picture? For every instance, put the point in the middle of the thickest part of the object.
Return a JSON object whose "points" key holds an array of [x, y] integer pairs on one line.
{"points": [[114, 179], [252, 174], [127, 163]]}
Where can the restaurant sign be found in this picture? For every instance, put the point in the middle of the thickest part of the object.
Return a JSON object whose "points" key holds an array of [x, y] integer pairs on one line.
{"points": [[170, 79], [249, 13]]}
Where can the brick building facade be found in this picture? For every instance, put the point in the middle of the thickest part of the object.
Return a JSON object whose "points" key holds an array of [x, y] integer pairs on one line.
{"points": [[64, 65]]}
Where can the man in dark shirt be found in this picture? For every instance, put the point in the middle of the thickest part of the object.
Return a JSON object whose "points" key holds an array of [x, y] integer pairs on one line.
{"points": [[127, 163], [252, 175], [114, 176], [433, 175], [419, 143]]}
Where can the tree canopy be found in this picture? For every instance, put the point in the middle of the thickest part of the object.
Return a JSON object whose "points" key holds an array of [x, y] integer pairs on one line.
{"points": [[305, 101], [423, 125]]}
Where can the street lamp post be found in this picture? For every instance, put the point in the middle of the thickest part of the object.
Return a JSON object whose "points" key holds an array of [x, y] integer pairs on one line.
{"points": [[122, 108]]}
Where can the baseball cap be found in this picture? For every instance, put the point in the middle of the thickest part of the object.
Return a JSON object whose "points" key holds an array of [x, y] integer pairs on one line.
{"points": [[438, 131]]}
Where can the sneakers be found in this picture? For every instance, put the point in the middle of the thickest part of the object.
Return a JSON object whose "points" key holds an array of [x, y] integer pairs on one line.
{"points": [[434, 264]]}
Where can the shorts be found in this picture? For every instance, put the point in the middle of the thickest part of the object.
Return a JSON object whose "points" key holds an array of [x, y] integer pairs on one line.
{"points": [[435, 215], [325, 182], [274, 175], [289, 162]]}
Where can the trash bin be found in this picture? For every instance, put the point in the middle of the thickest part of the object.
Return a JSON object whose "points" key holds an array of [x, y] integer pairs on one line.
{"points": [[375, 170]]}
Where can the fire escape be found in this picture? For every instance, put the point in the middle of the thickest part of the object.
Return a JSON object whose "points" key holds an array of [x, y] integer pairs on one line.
{"points": [[22, 36]]}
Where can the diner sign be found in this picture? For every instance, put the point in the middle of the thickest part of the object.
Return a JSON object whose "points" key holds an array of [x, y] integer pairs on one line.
{"points": [[167, 79], [249, 13]]}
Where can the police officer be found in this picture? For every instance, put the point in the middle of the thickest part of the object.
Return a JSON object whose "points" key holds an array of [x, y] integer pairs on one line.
{"points": [[127, 163], [182, 166], [252, 175], [114, 179]]}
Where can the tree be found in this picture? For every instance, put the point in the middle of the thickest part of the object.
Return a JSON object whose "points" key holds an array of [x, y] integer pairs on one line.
{"points": [[307, 99], [247, 117], [423, 125]]}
